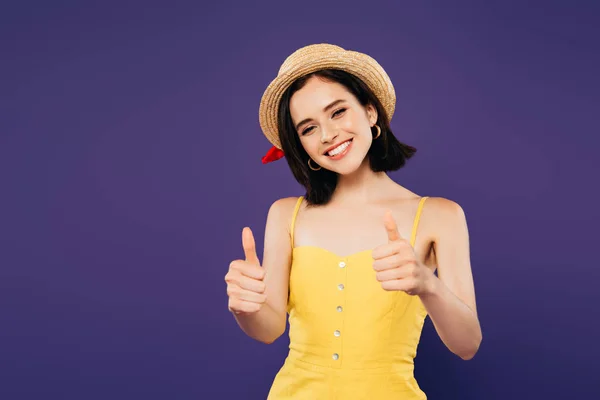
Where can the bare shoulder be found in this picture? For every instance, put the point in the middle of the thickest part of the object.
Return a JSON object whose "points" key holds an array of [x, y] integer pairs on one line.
{"points": [[443, 216], [443, 206], [281, 210], [284, 206], [285, 203]]}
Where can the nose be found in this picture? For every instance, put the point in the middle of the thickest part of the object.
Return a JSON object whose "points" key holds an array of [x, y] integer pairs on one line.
{"points": [[328, 134]]}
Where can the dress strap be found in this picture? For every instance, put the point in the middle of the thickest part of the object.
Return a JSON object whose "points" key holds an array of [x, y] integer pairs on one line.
{"points": [[294, 219], [413, 236]]}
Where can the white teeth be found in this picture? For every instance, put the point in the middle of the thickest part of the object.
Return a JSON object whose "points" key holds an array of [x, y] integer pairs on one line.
{"points": [[339, 149]]}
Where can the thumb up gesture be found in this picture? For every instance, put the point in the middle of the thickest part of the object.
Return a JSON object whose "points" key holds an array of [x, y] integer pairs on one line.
{"points": [[245, 279], [396, 264]]}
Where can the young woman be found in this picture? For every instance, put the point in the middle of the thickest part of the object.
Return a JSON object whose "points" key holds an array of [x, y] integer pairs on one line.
{"points": [[358, 261]]}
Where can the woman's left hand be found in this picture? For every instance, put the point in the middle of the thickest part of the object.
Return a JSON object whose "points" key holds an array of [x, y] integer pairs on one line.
{"points": [[396, 264]]}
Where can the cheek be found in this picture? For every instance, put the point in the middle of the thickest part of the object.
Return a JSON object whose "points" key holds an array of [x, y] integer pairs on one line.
{"points": [[311, 145], [354, 125]]}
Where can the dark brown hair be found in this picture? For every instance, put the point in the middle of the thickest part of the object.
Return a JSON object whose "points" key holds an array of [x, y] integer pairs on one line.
{"points": [[386, 153]]}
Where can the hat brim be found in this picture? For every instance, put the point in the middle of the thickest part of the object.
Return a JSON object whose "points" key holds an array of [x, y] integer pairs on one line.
{"points": [[361, 65]]}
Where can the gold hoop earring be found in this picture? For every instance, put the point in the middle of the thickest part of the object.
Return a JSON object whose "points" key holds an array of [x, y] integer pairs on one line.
{"points": [[310, 166], [378, 132]]}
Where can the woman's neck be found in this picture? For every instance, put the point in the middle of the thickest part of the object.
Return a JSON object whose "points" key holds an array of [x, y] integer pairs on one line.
{"points": [[362, 186]]}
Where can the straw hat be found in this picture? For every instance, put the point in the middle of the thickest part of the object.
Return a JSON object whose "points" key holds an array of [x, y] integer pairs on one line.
{"points": [[317, 57]]}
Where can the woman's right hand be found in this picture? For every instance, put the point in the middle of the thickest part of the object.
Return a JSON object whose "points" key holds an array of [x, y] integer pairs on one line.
{"points": [[245, 280]]}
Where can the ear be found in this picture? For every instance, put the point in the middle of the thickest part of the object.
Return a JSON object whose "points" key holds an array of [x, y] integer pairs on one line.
{"points": [[371, 114]]}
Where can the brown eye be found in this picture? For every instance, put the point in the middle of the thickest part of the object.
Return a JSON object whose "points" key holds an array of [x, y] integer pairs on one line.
{"points": [[339, 112], [304, 132]]}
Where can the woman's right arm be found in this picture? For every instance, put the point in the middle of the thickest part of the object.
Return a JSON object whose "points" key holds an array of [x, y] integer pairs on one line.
{"points": [[258, 294]]}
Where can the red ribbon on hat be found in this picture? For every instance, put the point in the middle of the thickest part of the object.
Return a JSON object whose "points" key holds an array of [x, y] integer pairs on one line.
{"points": [[273, 154]]}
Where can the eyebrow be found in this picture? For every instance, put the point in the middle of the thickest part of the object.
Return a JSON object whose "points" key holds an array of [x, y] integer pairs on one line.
{"points": [[327, 107]]}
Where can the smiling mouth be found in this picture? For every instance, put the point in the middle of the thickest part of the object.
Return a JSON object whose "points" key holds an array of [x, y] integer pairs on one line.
{"points": [[339, 149]]}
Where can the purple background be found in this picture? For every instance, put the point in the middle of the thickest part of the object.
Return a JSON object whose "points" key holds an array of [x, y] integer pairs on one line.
{"points": [[130, 162]]}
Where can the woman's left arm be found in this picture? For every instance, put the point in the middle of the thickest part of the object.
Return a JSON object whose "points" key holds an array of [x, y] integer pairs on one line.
{"points": [[450, 297]]}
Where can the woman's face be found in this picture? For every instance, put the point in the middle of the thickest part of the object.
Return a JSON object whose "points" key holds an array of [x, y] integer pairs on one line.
{"points": [[334, 128]]}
